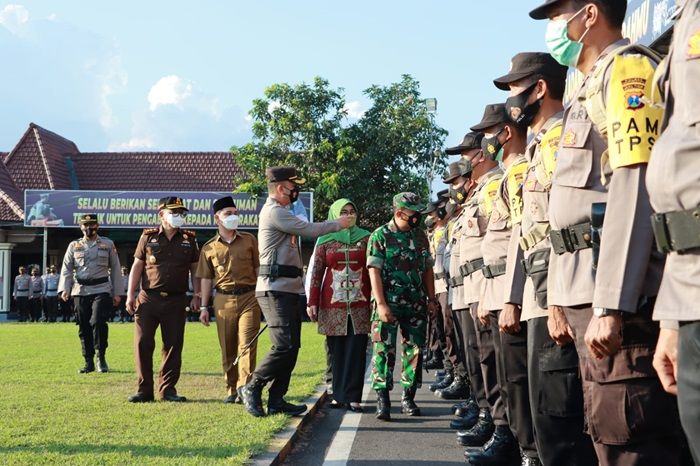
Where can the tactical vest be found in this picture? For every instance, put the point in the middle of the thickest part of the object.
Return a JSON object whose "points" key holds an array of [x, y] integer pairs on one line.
{"points": [[510, 207]]}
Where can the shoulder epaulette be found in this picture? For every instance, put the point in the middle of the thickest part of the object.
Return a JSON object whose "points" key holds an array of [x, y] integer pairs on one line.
{"points": [[150, 231], [190, 233]]}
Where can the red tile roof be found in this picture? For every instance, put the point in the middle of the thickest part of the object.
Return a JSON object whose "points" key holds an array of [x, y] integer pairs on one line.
{"points": [[11, 198], [156, 171]]}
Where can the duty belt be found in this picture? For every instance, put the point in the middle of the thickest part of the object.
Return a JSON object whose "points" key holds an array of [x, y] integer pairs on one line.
{"points": [[677, 231], [236, 291], [494, 270], [470, 267], [24, 289], [571, 239], [92, 281], [163, 294], [276, 270], [455, 281]]}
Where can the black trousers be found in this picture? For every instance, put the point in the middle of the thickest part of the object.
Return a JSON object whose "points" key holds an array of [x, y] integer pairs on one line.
{"points": [[448, 344], [349, 354], [283, 314], [556, 399], [23, 308], [35, 309], [512, 371], [489, 352], [468, 345], [328, 376], [51, 308], [689, 384], [92, 312]]}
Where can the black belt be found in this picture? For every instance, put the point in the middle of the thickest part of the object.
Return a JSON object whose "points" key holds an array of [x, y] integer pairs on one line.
{"points": [[92, 281], [26, 289], [236, 291], [455, 281], [571, 239], [677, 231], [277, 270], [51, 289], [494, 270], [163, 294], [470, 267]]}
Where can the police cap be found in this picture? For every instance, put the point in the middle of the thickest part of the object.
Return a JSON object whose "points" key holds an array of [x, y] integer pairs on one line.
{"points": [[528, 64], [470, 141], [88, 218], [494, 114], [275, 174], [172, 203], [618, 7], [457, 169]]}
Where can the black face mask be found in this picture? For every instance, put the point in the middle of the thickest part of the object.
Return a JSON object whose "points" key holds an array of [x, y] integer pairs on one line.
{"points": [[491, 146], [293, 194], [89, 231], [459, 195], [414, 220], [451, 208], [441, 213], [520, 112], [430, 222]]}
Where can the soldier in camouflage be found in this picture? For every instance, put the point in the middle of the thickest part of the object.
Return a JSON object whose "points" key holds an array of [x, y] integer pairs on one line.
{"points": [[403, 292]]}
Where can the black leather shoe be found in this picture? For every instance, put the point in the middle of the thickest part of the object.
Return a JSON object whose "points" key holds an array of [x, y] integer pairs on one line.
{"points": [[88, 367], [468, 408], [102, 364], [174, 398], [433, 364], [457, 390], [251, 394], [408, 406], [231, 399], [355, 409], [529, 460], [444, 383], [285, 408], [480, 433], [501, 449], [383, 405], [335, 405], [140, 398]]}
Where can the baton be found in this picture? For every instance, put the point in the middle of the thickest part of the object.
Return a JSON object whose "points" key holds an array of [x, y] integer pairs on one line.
{"points": [[246, 348]]}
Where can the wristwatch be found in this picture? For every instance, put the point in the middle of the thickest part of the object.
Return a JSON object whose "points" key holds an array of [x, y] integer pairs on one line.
{"points": [[203, 308], [605, 312]]}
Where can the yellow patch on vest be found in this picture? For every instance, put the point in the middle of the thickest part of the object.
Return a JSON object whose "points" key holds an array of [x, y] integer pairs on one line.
{"points": [[548, 154], [514, 184], [694, 45], [488, 194], [633, 127]]}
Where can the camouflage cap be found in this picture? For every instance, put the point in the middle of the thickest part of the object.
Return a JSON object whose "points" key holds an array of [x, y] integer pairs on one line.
{"points": [[409, 201]]}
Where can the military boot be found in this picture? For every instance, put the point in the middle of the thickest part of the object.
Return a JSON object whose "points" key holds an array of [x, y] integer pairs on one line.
{"points": [[383, 405], [408, 406], [434, 363], [501, 449], [457, 390], [251, 394], [468, 416], [480, 433], [444, 383], [102, 363], [89, 366]]}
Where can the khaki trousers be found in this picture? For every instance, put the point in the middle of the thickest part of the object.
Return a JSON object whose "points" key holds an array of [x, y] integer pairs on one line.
{"points": [[237, 322]]}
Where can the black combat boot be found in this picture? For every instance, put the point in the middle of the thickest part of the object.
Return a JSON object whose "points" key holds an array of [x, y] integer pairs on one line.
{"points": [[480, 433], [444, 383], [457, 390], [467, 407], [433, 363], [383, 405], [89, 366], [468, 416], [102, 363], [408, 406], [251, 394], [282, 406], [529, 460], [501, 449]]}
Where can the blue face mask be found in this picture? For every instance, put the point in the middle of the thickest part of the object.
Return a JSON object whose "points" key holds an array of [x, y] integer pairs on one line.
{"points": [[563, 49]]}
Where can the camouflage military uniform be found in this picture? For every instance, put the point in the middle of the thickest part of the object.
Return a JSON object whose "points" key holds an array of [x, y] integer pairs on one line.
{"points": [[403, 257]]}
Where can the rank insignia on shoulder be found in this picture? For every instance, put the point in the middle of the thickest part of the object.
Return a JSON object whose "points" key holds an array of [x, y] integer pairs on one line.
{"points": [[569, 138], [150, 231], [188, 233], [694, 45], [152, 259]]}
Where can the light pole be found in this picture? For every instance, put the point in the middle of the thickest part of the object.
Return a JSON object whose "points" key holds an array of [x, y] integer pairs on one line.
{"points": [[431, 107]]}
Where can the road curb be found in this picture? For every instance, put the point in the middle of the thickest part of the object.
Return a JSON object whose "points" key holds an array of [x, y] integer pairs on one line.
{"points": [[283, 441]]}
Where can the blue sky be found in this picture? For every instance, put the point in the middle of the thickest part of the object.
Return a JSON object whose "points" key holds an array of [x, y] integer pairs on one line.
{"points": [[172, 75]]}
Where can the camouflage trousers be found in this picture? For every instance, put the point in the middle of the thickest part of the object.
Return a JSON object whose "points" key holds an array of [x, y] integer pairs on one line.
{"points": [[413, 326]]}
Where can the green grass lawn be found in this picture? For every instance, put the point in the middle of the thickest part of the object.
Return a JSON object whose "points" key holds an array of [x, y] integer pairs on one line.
{"points": [[51, 414]]}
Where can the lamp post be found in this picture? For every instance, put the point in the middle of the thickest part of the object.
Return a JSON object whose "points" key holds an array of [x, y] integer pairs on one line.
{"points": [[431, 107]]}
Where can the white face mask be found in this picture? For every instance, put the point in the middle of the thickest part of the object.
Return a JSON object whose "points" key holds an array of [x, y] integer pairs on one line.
{"points": [[230, 222], [175, 221]]}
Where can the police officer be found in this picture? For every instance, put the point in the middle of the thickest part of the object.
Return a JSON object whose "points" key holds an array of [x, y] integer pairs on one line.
{"points": [[51, 280], [20, 292], [90, 263], [436, 224], [401, 274], [280, 289], [230, 260], [36, 293], [121, 309], [599, 198], [164, 259], [674, 188]]}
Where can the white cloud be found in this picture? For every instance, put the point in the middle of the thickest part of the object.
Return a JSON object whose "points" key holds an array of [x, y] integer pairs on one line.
{"points": [[169, 90], [14, 17], [133, 144], [272, 106], [354, 109], [52, 17]]}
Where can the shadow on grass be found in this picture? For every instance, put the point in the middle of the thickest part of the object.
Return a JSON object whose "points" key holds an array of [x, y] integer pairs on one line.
{"points": [[133, 450]]}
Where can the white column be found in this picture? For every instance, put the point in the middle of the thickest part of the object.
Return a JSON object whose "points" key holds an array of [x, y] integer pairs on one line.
{"points": [[6, 282]]}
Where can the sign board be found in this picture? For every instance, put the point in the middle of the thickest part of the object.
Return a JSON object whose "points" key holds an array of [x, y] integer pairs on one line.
{"points": [[137, 209]]}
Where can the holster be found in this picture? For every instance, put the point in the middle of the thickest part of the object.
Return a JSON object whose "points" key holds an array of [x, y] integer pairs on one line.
{"points": [[536, 266], [597, 218]]}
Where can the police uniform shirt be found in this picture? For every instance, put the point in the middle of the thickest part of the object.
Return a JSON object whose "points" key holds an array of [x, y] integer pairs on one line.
{"points": [[456, 296], [36, 286], [166, 262], [232, 264], [21, 289], [674, 170], [438, 241], [627, 266], [278, 233], [51, 284], [90, 260]]}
